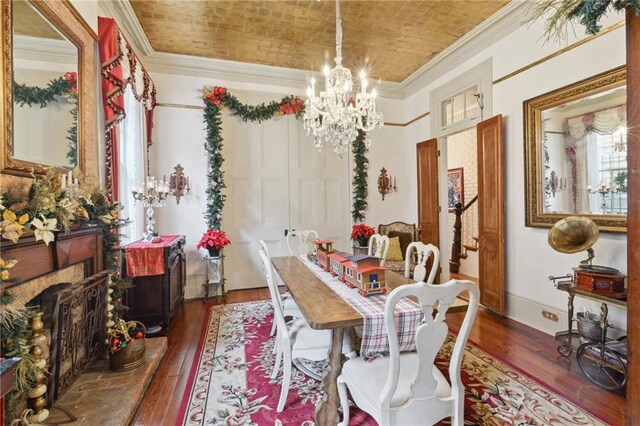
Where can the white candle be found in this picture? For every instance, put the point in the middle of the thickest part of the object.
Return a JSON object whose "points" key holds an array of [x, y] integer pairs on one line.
{"points": [[363, 81], [63, 181], [75, 181], [326, 77], [70, 177], [313, 87]]}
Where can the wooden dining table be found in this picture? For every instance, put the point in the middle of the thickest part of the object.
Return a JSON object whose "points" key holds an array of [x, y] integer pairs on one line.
{"points": [[324, 309]]}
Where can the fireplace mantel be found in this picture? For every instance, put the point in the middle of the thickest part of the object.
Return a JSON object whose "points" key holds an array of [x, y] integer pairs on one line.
{"points": [[35, 259]]}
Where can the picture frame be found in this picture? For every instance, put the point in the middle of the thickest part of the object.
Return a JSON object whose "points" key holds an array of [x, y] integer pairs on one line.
{"points": [[455, 187]]}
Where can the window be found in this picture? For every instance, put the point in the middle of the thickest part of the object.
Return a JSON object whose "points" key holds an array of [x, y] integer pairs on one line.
{"points": [[461, 106], [359, 277], [131, 160]]}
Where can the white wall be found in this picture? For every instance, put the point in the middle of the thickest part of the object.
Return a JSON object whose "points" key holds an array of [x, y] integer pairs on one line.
{"points": [[530, 260], [179, 137]]}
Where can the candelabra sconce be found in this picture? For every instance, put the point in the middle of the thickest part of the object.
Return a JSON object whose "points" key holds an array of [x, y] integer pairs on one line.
{"points": [[179, 183], [386, 183], [604, 189], [152, 193], [556, 183]]}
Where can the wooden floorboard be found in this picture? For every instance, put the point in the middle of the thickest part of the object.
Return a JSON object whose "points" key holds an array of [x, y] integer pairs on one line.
{"points": [[525, 348]]}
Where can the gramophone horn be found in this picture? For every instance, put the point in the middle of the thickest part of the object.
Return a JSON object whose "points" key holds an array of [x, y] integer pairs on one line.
{"points": [[573, 234]]}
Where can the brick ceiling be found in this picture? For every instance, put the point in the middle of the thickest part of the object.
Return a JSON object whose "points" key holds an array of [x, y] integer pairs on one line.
{"points": [[394, 37]]}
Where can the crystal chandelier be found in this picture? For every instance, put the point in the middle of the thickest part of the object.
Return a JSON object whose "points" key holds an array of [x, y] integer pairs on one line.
{"points": [[338, 112]]}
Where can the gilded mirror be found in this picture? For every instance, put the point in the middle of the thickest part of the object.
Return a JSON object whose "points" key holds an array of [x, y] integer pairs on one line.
{"points": [[576, 153], [48, 108], [45, 91]]}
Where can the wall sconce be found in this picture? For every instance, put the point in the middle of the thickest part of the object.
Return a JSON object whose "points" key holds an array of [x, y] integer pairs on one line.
{"points": [[385, 185], [179, 183]]}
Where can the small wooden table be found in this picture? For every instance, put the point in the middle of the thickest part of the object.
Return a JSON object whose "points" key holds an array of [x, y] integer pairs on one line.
{"points": [[324, 310]]}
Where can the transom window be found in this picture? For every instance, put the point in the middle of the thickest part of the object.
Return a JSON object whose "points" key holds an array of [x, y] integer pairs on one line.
{"points": [[461, 106]]}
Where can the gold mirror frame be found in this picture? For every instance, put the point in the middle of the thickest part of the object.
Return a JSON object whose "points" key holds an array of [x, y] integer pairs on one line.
{"points": [[534, 214], [68, 21]]}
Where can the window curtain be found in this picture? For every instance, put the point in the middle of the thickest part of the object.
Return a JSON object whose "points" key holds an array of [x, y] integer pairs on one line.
{"points": [[121, 68], [581, 147], [131, 164]]}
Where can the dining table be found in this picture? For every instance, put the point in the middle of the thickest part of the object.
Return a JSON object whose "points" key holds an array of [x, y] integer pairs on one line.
{"points": [[324, 309]]}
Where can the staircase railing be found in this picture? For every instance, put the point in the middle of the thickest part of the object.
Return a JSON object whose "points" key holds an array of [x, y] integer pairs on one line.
{"points": [[456, 248]]}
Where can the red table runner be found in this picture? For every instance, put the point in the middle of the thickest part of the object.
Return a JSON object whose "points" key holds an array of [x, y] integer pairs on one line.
{"points": [[144, 258]]}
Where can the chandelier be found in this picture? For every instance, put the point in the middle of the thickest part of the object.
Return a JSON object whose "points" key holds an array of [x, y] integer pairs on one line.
{"points": [[337, 113]]}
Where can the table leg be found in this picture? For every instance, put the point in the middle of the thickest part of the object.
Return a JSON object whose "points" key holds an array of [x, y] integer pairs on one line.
{"points": [[327, 408]]}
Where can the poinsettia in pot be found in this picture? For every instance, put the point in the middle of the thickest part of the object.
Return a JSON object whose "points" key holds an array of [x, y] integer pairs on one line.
{"points": [[361, 234], [213, 240]]}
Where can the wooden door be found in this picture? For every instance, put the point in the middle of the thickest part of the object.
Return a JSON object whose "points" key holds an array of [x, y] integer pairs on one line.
{"points": [[491, 213], [319, 189], [427, 154], [633, 216]]}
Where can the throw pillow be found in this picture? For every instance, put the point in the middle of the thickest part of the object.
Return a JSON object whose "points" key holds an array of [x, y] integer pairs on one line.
{"points": [[405, 239], [395, 253]]}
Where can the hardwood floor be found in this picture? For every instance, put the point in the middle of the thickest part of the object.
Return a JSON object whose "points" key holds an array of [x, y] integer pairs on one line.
{"points": [[525, 348]]}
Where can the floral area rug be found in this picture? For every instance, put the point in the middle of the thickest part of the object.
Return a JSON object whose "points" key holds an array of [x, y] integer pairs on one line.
{"points": [[230, 384]]}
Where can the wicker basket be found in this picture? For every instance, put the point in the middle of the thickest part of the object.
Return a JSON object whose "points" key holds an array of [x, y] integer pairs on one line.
{"points": [[132, 355]]}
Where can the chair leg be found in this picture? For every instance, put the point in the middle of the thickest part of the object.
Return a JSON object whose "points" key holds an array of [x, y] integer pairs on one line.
{"points": [[286, 378], [276, 365], [344, 401]]}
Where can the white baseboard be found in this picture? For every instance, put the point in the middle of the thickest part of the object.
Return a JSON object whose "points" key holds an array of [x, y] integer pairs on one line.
{"points": [[529, 312], [194, 289]]}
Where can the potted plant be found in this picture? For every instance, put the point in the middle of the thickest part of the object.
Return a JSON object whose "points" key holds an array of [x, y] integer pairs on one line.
{"points": [[361, 234], [213, 240]]}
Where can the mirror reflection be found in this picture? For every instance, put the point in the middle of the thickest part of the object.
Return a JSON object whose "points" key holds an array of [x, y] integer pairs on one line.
{"points": [[584, 153], [45, 94]]}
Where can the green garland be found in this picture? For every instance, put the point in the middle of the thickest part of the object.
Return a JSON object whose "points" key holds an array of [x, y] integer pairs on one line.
{"points": [[215, 99], [361, 165], [65, 87], [559, 13]]}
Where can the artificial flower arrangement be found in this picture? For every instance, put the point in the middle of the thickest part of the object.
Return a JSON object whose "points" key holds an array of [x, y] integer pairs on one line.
{"points": [[213, 240], [48, 206], [361, 233]]}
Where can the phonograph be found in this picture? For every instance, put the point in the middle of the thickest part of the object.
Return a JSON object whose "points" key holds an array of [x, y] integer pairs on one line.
{"points": [[577, 233]]}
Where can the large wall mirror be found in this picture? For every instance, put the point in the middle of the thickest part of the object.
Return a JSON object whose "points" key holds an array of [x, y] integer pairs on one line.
{"points": [[48, 88], [576, 153]]}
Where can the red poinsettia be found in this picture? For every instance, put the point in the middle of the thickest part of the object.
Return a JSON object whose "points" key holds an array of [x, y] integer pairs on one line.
{"points": [[213, 238], [294, 106], [361, 231], [216, 95], [72, 80]]}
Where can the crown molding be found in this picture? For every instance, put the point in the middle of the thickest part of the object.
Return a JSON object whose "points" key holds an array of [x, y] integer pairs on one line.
{"points": [[289, 78], [45, 50], [493, 29], [497, 26], [122, 12]]}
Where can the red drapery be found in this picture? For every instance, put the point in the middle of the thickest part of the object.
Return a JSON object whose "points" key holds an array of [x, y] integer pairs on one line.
{"points": [[116, 75]]}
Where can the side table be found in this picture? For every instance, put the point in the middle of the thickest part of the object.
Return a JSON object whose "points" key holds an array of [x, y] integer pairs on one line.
{"points": [[214, 277]]}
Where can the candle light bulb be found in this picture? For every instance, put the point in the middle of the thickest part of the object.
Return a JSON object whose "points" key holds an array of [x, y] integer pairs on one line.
{"points": [[326, 70], [363, 75], [374, 93]]}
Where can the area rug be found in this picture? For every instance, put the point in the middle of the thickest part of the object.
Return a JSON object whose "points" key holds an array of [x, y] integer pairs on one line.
{"points": [[230, 385]]}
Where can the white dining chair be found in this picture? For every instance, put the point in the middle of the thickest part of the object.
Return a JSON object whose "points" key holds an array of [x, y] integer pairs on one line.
{"points": [[423, 252], [413, 391], [303, 241], [378, 247], [295, 339], [289, 306]]}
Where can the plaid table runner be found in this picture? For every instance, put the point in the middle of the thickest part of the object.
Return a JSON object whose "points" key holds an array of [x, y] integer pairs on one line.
{"points": [[374, 334]]}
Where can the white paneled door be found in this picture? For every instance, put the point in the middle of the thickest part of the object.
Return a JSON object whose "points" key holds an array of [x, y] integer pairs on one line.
{"points": [[276, 180], [320, 189]]}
